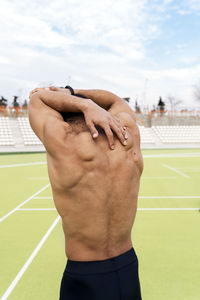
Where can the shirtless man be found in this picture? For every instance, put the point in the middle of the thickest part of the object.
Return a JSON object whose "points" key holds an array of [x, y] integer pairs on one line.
{"points": [[94, 165]]}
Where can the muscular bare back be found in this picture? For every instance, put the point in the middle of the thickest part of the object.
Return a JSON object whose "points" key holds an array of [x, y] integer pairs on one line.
{"points": [[95, 189]]}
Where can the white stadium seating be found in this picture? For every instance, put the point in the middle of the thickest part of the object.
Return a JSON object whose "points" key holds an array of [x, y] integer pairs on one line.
{"points": [[16, 135], [28, 135], [146, 135], [177, 134], [6, 137]]}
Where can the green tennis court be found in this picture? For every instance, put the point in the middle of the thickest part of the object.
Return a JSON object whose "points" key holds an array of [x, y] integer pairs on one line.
{"points": [[165, 235]]}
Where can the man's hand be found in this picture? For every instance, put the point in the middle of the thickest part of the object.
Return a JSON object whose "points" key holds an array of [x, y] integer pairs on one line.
{"points": [[97, 116], [50, 88], [37, 90], [61, 89]]}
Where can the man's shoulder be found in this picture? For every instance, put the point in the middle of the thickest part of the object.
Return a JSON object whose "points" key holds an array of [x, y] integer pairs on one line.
{"points": [[128, 119], [122, 110]]}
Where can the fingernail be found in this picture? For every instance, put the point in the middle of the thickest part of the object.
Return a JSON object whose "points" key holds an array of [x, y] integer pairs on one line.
{"points": [[95, 135], [125, 142], [112, 147]]}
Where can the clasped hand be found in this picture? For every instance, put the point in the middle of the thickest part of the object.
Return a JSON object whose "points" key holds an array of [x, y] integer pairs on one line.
{"points": [[97, 116]]}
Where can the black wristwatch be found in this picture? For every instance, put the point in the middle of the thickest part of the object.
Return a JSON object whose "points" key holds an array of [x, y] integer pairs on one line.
{"points": [[70, 88]]}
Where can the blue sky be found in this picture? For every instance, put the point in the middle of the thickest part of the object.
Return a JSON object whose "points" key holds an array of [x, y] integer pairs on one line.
{"points": [[142, 49]]}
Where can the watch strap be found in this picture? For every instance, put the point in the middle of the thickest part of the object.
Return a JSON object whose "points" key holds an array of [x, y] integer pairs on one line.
{"points": [[70, 88]]}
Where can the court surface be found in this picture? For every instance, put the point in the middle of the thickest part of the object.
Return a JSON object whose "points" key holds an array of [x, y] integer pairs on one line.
{"points": [[166, 234]]}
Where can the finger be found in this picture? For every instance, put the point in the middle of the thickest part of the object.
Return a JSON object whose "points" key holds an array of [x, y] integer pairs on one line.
{"points": [[125, 131], [121, 126], [93, 130], [117, 120], [110, 137], [119, 133]]}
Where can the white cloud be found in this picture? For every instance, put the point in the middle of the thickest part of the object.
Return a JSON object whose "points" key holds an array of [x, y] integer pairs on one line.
{"points": [[101, 44], [189, 7], [194, 5], [188, 60]]}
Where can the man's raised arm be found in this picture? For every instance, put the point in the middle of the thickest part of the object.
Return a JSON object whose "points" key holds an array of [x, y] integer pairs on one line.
{"points": [[61, 102], [43, 112], [107, 100], [64, 102]]}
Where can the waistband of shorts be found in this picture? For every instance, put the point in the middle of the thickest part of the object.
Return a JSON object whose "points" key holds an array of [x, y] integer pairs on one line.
{"points": [[101, 266]]}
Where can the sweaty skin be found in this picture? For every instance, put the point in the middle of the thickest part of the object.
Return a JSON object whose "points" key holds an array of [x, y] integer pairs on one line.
{"points": [[95, 189]]}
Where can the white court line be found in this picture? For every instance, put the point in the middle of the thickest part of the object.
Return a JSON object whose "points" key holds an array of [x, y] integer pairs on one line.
{"points": [[28, 199], [21, 209], [145, 156], [43, 197], [175, 170], [143, 208], [169, 208], [195, 154], [24, 164], [169, 197], [28, 262]]}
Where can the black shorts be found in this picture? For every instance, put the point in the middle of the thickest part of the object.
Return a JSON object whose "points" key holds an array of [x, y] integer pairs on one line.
{"points": [[111, 279]]}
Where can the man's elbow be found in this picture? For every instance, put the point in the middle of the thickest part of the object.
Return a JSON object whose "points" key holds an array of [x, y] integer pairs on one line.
{"points": [[34, 98]]}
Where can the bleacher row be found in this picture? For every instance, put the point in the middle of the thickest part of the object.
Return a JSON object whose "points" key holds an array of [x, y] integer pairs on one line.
{"points": [[28, 135], [153, 135], [6, 136], [178, 134], [170, 134]]}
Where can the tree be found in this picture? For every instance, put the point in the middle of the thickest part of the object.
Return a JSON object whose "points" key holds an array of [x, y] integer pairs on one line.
{"points": [[25, 104], [174, 102], [161, 104], [3, 101]]}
